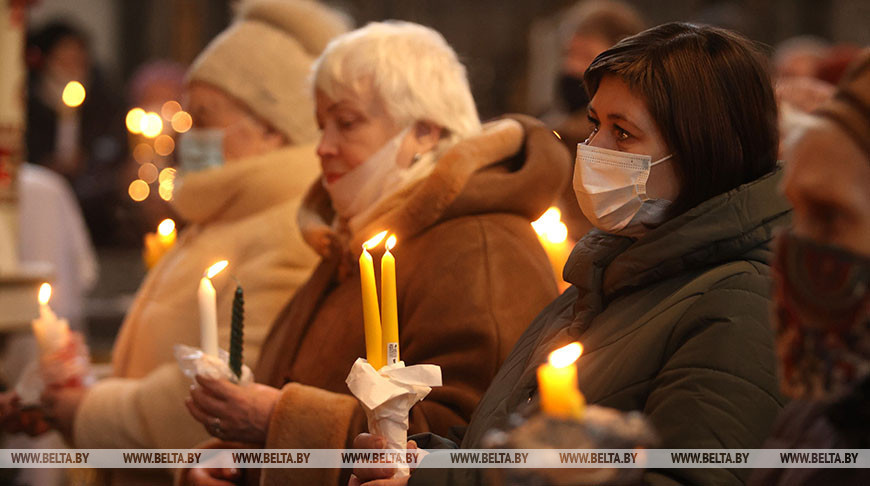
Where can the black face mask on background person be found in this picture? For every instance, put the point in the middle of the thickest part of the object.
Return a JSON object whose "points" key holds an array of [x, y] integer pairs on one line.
{"points": [[572, 92], [822, 317]]}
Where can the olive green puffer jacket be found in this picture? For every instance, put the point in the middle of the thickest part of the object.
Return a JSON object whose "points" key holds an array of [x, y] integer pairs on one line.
{"points": [[675, 324]]}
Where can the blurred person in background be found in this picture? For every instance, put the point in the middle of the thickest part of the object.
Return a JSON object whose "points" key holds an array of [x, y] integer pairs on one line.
{"points": [[244, 168], [84, 143], [53, 235], [823, 287], [799, 90], [799, 57], [590, 28]]}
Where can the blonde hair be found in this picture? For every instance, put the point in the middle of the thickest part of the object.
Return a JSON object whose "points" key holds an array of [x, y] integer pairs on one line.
{"points": [[409, 67]]}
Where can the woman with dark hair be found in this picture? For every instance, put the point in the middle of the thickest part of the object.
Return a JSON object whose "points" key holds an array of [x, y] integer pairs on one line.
{"points": [[670, 292]]}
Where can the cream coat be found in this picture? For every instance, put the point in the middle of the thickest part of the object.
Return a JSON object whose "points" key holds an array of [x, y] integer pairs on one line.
{"points": [[244, 213]]}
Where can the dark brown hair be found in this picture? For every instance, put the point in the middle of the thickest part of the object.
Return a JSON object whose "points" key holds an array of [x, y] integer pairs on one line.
{"points": [[709, 91]]}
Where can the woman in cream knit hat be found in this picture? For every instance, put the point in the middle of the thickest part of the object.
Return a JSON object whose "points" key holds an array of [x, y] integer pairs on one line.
{"points": [[244, 168]]}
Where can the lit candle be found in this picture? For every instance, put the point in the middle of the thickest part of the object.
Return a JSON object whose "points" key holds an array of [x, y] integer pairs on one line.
{"points": [[389, 308], [553, 235], [371, 315], [166, 233], [557, 383], [159, 243], [51, 333], [208, 310]]}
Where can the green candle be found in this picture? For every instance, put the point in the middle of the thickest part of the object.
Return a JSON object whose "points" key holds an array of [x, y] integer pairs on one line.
{"points": [[237, 332]]}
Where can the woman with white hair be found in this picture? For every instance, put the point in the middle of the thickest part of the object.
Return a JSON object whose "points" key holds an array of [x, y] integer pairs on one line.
{"points": [[402, 149]]}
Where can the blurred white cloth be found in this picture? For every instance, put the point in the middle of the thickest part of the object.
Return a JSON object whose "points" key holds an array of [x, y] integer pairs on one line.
{"points": [[52, 230]]}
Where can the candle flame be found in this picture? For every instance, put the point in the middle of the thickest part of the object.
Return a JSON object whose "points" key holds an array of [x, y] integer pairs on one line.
{"points": [[44, 293], [551, 227], [391, 242], [375, 241], [557, 134], [566, 355], [166, 227], [216, 269]]}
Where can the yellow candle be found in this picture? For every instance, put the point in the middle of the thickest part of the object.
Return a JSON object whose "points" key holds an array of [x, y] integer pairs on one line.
{"points": [[557, 383], [159, 243], [166, 233], [371, 314], [553, 235], [208, 334], [389, 307]]}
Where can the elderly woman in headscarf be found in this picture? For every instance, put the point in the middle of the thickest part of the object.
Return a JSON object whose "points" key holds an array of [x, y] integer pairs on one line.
{"points": [[402, 149]]}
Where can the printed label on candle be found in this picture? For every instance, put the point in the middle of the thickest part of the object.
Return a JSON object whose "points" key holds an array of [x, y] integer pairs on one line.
{"points": [[392, 353]]}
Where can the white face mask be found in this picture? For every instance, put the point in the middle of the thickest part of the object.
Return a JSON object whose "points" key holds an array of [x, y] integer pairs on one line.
{"points": [[360, 188], [611, 188], [200, 149]]}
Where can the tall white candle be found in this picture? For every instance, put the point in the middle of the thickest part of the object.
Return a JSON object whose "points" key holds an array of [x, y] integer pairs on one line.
{"points": [[208, 310]]}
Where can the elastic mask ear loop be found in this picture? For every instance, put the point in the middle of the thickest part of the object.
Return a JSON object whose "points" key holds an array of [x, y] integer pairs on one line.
{"points": [[666, 157]]}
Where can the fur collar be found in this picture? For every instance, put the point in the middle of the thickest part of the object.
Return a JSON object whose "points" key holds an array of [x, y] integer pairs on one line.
{"points": [[246, 186], [515, 165]]}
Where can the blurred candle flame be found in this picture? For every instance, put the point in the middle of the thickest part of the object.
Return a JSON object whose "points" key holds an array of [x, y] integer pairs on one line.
{"points": [[375, 241], [566, 355], [216, 269], [44, 293], [391, 242], [551, 227], [166, 227]]}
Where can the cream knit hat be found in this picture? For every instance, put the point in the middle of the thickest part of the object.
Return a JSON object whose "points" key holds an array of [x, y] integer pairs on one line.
{"points": [[264, 60]]}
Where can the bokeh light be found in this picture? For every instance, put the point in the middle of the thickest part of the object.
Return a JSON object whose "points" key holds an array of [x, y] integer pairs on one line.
{"points": [[167, 174], [143, 153], [151, 124], [169, 109], [181, 122], [164, 145], [139, 190], [134, 120], [73, 94], [148, 172], [165, 190]]}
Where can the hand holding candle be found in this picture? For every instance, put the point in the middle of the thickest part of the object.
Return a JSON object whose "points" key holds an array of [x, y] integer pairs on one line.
{"points": [[557, 383], [389, 307], [208, 310]]}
